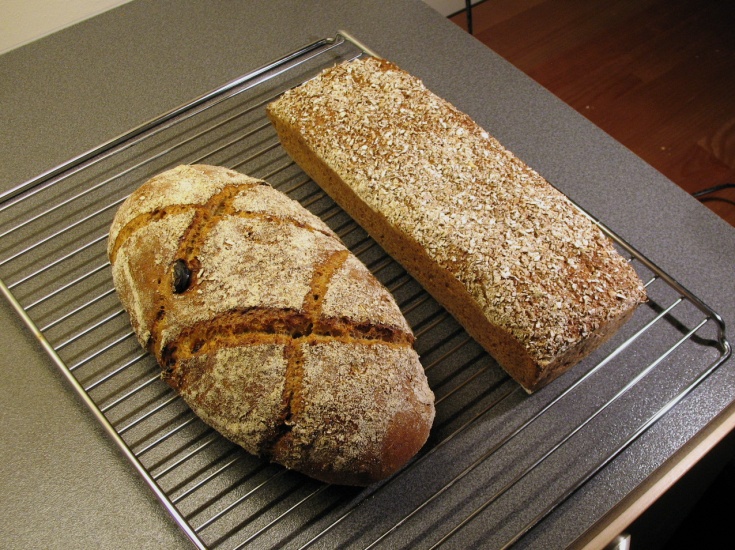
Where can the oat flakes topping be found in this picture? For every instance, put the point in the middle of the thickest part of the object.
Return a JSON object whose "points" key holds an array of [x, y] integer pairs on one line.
{"points": [[534, 263]]}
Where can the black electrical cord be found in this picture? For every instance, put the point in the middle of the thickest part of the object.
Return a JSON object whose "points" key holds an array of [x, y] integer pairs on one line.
{"points": [[713, 189], [468, 11]]}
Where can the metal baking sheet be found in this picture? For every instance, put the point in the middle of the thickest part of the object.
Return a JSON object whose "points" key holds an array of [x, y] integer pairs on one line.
{"points": [[497, 462]]}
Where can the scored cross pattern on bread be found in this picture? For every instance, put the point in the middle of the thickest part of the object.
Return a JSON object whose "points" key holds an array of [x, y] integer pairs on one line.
{"points": [[270, 329]]}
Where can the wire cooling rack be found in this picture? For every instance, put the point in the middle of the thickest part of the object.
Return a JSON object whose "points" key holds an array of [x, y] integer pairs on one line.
{"points": [[498, 462]]}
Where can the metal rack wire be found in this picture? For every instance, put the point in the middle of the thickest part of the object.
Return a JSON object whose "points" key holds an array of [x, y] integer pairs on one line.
{"points": [[498, 462]]}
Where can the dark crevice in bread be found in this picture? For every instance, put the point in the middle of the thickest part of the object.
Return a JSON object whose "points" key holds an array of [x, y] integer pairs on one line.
{"points": [[320, 283], [348, 328], [292, 400]]}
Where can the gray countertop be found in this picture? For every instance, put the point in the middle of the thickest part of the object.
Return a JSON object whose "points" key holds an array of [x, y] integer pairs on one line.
{"points": [[64, 483]]}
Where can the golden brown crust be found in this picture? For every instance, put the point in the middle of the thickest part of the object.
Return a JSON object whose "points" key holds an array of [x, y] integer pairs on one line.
{"points": [[268, 327], [529, 276]]}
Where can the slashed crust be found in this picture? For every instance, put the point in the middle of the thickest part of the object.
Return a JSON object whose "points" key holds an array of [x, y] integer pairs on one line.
{"points": [[279, 337]]}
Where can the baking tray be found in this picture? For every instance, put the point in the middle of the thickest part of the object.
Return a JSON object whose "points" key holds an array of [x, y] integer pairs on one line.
{"points": [[498, 462]]}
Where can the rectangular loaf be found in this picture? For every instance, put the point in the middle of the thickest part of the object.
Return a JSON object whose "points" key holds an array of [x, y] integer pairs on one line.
{"points": [[526, 273]]}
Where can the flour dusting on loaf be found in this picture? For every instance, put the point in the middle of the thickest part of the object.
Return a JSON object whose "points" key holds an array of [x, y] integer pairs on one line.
{"points": [[268, 327], [533, 279]]}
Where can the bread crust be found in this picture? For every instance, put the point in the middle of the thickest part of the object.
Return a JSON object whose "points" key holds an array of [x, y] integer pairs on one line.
{"points": [[527, 274], [273, 333]]}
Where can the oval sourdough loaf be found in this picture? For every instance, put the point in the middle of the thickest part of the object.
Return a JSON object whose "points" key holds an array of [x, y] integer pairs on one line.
{"points": [[269, 328], [528, 275]]}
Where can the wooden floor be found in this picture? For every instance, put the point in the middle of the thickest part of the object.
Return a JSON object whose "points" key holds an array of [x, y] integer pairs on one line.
{"points": [[657, 75]]}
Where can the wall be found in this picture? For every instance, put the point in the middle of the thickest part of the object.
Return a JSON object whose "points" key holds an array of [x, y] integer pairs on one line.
{"points": [[23, 21]]}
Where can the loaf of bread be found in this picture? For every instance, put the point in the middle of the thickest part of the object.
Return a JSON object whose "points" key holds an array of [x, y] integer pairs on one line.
{"points": [[268, 327], [527, 274]]}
